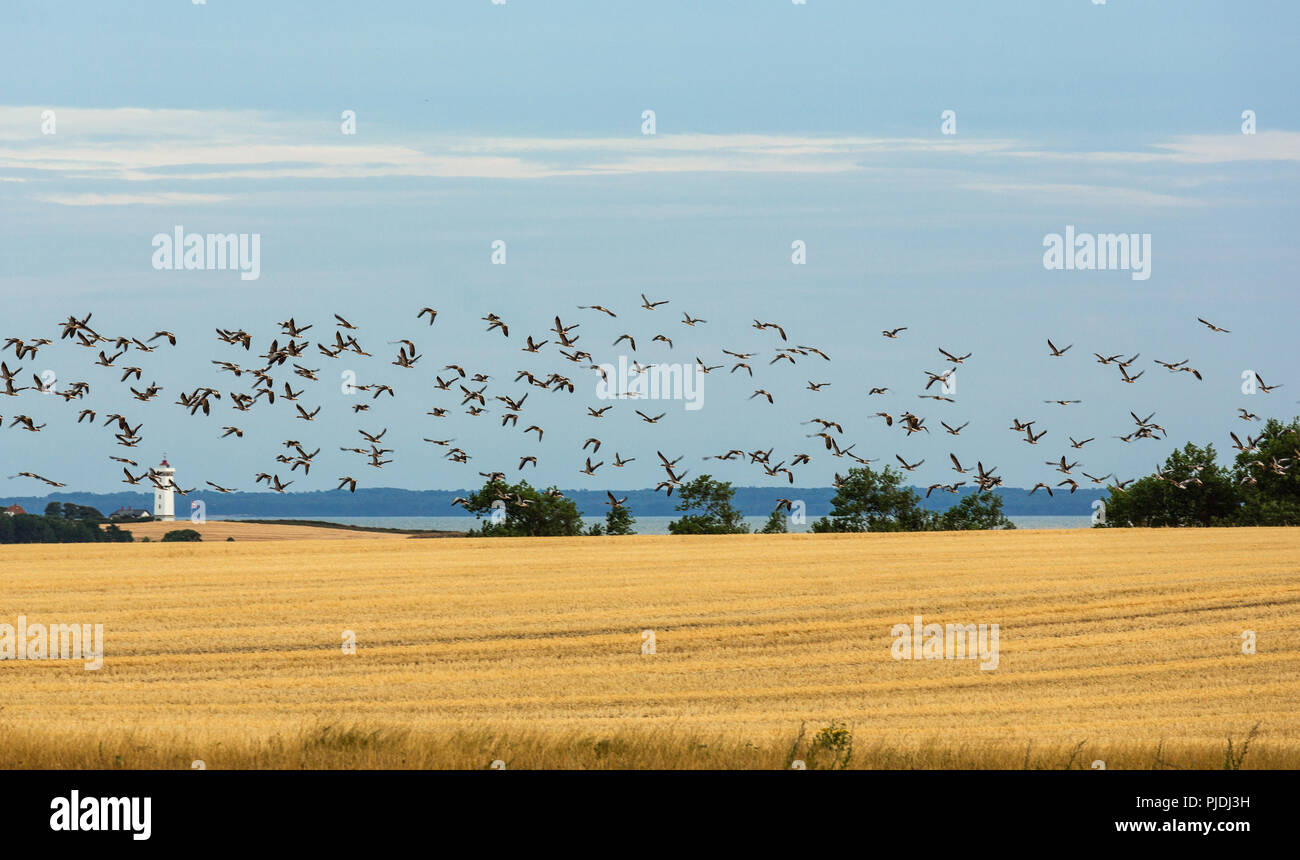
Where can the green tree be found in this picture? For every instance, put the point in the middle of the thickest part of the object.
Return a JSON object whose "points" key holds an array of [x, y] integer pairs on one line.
{"points": [[777, 523], [975, 511], [1268, 477], [707, 508], [520, 510], [182, 536], [871, 501], [619, 521], [1190, 490]]}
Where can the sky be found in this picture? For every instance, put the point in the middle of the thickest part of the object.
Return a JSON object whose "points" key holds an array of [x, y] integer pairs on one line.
{"points": [[774, 123]]}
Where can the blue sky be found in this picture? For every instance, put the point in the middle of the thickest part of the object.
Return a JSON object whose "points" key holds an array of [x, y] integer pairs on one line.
{"points": [[775, 122]]}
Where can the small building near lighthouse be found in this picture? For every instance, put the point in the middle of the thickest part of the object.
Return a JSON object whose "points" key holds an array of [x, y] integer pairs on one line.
{"points": [[164, 496]]}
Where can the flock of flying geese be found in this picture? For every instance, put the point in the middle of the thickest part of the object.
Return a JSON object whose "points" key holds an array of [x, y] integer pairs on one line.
{"points": [[282, 365]]}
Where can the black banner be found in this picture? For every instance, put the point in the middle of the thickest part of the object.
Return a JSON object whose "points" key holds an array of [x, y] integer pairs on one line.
{"points": [[142, 810]]}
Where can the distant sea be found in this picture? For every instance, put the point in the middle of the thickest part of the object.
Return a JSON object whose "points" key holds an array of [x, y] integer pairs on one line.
{"points": [[643, 525]]}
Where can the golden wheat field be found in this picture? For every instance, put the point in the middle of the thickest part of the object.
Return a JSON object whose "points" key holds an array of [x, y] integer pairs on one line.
{"points": [[1123, 646]]}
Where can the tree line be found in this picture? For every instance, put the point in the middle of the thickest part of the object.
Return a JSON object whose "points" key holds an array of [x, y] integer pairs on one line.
{"points": [[865, 500], [1260, 488], [66, 523]]}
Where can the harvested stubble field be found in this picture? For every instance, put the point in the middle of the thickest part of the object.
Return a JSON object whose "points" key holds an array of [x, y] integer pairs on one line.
{"points": [[1123, 646]]}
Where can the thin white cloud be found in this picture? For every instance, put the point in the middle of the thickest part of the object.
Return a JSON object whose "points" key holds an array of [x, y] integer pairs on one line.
{"points": [[162, 198], [101, 157]]}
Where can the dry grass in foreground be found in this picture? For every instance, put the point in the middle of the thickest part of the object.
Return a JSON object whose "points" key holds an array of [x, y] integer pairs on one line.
{"points": [[329, 747], [529, 651]]}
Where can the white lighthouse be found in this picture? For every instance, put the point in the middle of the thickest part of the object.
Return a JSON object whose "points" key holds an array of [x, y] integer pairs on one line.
{"points": [[164, 499]]}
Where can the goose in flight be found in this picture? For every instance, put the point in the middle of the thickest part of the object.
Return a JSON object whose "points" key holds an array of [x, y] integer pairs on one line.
{"points": [[815, 386], [589, 469], [877, 391], [524, 461], [1061, 465], [619, 462], [1079, 444], [1130, 379], [956, 464], [594, 442], [27, 422], [1057, 353], [1262, 387], [763, 392], [598, 413], [941, 378], [762, 325], [171, 338], [433, 315], [600, 308], [649, 305], [625, 337], [913, 424], [292, 329], [1063, 402], [826, 424], [908, 466], [893, 333], [613, 502], [707, 368], [1031, 438], [1211, 326], [647, 419], [1041, 486], [955, 359], [55, 484], [687, 319], [953, 431]]}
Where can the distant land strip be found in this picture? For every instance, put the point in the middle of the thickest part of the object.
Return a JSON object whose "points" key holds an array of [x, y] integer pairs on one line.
{"points": [[390, 502]]}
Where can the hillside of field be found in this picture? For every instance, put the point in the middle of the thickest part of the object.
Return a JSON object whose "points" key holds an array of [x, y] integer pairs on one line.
{"points": [[1118, 646], [219, 530]]}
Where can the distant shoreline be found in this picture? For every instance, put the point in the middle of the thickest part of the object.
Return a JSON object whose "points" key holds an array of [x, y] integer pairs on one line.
{"points": [[320, 524]]}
